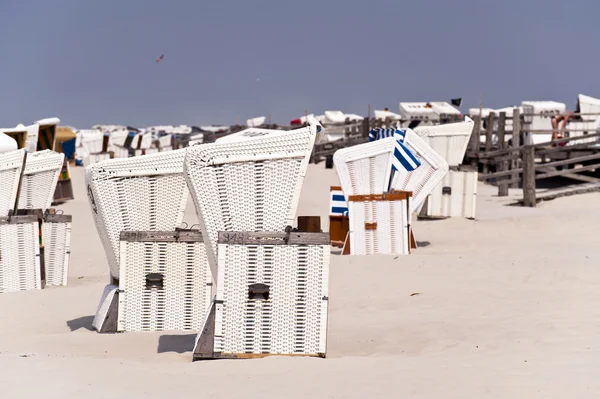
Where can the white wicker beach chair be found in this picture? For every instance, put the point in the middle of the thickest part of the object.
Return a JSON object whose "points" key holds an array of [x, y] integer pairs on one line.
{"points": [[248, 184], [422, 180], [144, 198], [39, 180], [449, 140], [92, 140], [11, 168], [272, 297]]}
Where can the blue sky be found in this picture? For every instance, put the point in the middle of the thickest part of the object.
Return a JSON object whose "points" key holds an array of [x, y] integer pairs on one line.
{"points": [[91, 62]]}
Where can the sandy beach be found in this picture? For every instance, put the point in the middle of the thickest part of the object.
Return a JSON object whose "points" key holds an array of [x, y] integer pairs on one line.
{"points": [[507, 307]]}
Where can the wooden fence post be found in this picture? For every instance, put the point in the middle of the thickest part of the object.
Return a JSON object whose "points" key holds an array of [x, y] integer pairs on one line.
{"points": [[529, 176], [503, 166], [489, 134], [474, 141], [365, 127], [516, 143]]}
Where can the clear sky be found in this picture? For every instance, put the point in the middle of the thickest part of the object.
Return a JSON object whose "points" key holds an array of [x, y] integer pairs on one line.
{"points": [[93, 62]]}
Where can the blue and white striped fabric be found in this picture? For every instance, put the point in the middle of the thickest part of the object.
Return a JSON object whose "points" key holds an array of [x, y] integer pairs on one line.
{"points": [[403, 156], [379, 133], [337, 202]]}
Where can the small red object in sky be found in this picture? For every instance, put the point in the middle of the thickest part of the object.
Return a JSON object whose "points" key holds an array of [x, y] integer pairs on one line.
{"points": [[159, 59]]}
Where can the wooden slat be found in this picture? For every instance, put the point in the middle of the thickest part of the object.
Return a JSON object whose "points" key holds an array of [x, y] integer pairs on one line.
{"points": [[272, 238], [563, 192], [393, 196], [555, 163], [162, 236]]}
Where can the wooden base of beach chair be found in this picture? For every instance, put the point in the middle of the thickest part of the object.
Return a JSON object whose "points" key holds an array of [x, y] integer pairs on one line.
{"points": [[309, 224], [107, 318], [261, 309], [338, 229]]}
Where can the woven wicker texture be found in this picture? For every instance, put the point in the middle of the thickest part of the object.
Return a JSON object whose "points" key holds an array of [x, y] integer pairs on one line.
{"points": [[450, 140], [107, 296], [57, 251], [11, 164], [140, 193], [424, 179], [293, 320], [365, 168], [39, 180], [19, 257], [181, 303], [252, 184], [391, 236]]}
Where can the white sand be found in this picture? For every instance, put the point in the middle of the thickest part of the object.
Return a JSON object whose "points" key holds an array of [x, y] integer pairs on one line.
{"points": [[509, 308]]}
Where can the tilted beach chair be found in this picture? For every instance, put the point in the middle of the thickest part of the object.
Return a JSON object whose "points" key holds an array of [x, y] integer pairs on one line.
{"points": [[422, 180], [19, 235], [379, 223], [272, 284], [138, 204], [40, 177], [448, 140]]}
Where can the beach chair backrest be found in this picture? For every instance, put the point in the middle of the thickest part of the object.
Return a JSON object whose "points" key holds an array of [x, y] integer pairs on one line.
{"points": [[249, 184], [39, 180], [11, 167], [423, 179], [365, 168], [146, 193], [449, 140]]}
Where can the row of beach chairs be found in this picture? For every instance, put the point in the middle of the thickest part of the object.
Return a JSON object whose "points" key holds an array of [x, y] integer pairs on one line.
{"points": [[34, 239]]}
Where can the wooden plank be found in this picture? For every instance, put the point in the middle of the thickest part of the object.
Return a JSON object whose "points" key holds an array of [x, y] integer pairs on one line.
{"points": [[529, 177], [555, 163], [545, 145], [392, 196], [516, 143], [474, 141], [489, 134], [110, 322], [272, 238], [162, 236], [565, 172], [563, 192], [205, 346], [309, 224], [502, 165]]}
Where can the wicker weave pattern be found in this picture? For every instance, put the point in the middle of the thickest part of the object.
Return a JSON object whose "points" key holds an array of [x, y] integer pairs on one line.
{"points": [[450, 140], [107, 296], [140, 193], [365, 168], [248, 185], [19, 257], [294, 318], [39, 179], [57, 251], [391, 236], [11, 164], [424, 179], [181, 305]]}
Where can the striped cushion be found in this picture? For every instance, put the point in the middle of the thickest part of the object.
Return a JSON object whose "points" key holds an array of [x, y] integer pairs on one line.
{"points": [[404, 159], [337, 202]]}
